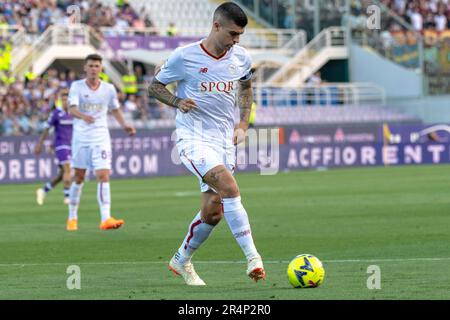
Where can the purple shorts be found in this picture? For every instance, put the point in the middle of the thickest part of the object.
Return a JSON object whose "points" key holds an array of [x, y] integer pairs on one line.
{"points": [[63, 156]]}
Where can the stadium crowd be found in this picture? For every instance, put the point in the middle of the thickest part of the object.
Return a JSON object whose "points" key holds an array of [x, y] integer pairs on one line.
{"points": [[35, 16], [26, 103], [421, 14]]}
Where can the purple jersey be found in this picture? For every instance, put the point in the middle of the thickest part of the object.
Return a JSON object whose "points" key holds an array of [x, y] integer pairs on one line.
{"points": [[62, 122]]}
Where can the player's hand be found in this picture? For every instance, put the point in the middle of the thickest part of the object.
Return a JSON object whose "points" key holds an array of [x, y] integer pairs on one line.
{"points": [[88, 119], [130, 130], [38, 149], [239, 134], [187, 105]]}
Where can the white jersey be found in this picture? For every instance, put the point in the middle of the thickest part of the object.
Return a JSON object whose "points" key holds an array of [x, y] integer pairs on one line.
{"points": [[95, 103], [212, 82]]}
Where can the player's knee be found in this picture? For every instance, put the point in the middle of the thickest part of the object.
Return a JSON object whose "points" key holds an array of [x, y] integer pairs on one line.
{"points": [[229, 191], [79, 179], [102, 176]]}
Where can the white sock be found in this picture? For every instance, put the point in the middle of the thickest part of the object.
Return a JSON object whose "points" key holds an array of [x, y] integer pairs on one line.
{"points": [[104, 200], [74, 196], [198, 232], [237, 220]]}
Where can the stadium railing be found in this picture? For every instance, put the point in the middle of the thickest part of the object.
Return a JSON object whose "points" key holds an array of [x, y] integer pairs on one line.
{"points": [[8, 31], [328, 94], [303, 64], [331, 102]]}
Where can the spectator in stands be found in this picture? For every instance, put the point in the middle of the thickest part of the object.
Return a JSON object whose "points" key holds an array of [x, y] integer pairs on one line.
{"points": [[416, 19], [428, 21], [315, 79], [29, 75], [130, 105], [440, 20], [171, 30], [130, 83], [266, 10], [149, 24], [42, 23], [71, 77], [139, 25], [288, 21]]}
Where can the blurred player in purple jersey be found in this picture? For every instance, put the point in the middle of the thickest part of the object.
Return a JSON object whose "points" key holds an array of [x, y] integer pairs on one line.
{"points": [[61, 121]]}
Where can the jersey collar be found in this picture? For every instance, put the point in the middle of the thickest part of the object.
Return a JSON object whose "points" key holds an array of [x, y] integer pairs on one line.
{"points": [[210, 54]]}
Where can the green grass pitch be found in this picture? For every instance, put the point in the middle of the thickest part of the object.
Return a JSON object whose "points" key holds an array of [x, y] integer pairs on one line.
{"points": [[395, 218]]}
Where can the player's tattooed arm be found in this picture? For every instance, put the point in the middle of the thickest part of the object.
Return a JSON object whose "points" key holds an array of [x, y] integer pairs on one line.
{"points": [[245, 99], [160, 92]]}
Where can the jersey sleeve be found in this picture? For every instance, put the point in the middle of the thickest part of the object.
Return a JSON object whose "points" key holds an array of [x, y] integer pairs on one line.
{"points": [[74, 97], [173, 69], [51, 121], [113, 102], [247, 69]]}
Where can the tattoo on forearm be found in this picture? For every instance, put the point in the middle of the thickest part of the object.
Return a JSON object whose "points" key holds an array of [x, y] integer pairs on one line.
{"points": [[245, 99], [160, 92]]}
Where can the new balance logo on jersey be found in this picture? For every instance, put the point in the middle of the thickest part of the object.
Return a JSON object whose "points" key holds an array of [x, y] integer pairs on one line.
{"points": [[203, 70], [217, 87]]}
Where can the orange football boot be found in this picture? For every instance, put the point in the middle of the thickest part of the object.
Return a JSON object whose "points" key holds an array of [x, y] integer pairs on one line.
{"points": [[72, 225], [111, 223]]}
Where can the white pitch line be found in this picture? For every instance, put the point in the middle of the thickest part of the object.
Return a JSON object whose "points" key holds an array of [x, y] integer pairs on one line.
{"points": [[214, 262]]}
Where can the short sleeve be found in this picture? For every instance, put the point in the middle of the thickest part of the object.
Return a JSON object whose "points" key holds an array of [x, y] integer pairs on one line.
{"points": [[247, 68], [173, 69], [51, 121], [113, 102], [74, 97]]}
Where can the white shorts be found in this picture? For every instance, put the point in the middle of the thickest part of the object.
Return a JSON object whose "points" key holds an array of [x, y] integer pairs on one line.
{"points": [[199, 158], [94, 157]]}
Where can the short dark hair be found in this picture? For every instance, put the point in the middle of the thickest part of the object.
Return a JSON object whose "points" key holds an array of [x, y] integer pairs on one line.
{"points": [[64, 92], [93, 56], [232, 12]]}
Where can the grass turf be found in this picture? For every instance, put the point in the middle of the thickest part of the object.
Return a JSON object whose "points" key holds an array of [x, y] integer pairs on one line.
{"points": [[395, 218]]}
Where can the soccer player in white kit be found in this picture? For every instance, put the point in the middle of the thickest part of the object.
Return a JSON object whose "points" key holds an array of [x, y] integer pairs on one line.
{"points": [[90, 100], [210, 73]]}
